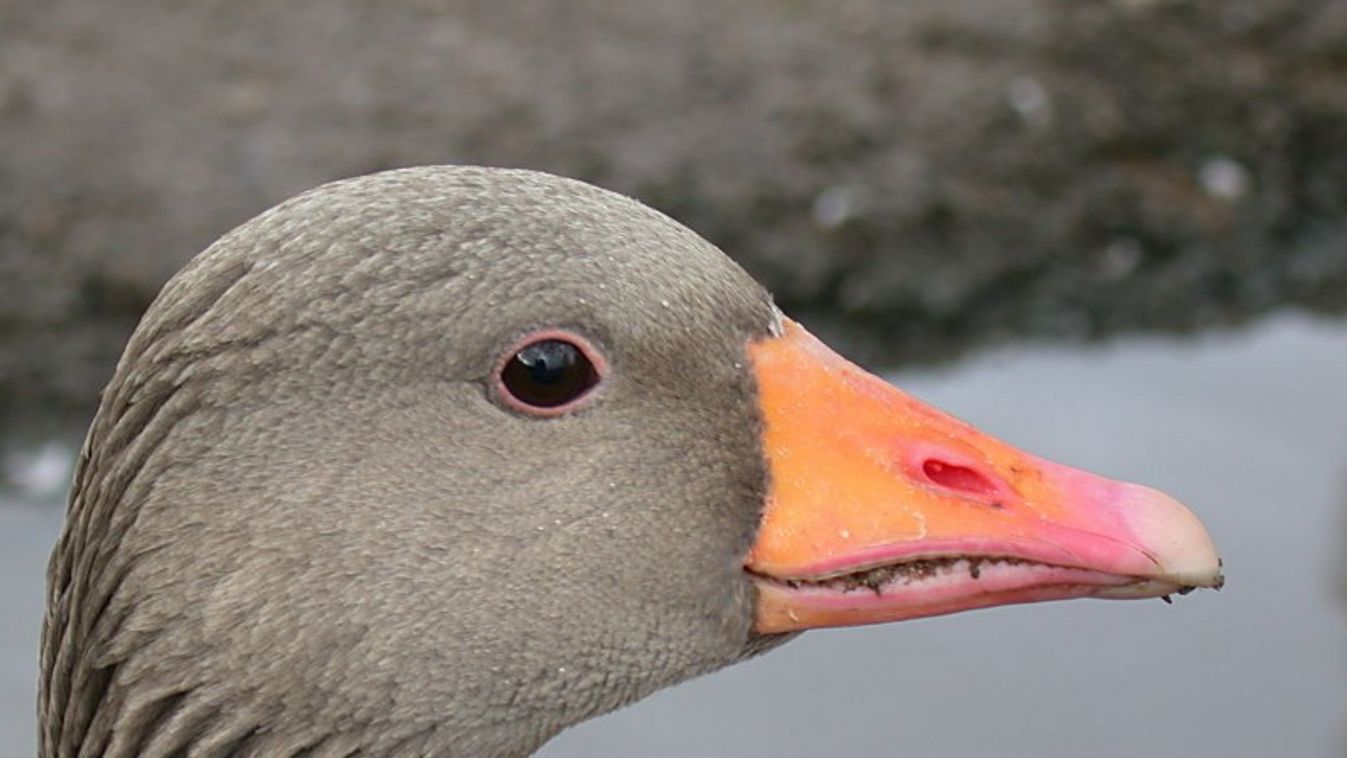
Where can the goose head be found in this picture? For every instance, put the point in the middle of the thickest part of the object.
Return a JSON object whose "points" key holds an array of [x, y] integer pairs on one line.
{"points": [[440, 461]]}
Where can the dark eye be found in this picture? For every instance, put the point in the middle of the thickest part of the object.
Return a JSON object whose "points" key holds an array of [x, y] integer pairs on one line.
{"points": [[547, 374]]}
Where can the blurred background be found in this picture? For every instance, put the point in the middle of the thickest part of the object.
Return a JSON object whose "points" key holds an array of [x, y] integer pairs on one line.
{"points": [[1114, 233]]}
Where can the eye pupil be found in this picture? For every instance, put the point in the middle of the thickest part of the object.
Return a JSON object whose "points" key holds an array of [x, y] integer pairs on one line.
{"points": [[550, 361], [548, 373]]}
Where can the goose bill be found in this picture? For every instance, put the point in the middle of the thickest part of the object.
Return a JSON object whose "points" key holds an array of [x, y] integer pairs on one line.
{"points": [[881, 508]]}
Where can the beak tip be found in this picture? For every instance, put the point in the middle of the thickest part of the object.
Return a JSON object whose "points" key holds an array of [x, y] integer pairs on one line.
{"points": [[1173, 538]]}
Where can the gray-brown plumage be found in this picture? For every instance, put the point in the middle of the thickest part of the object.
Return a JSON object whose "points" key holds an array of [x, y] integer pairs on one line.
{"points": [[303, 524]]}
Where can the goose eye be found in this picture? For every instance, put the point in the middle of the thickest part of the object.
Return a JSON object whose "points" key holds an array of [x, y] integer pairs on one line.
{"points": [[548, 374]]}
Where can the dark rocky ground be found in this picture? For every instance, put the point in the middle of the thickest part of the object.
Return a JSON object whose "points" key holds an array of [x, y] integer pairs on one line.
{"points": [[909, 177]]}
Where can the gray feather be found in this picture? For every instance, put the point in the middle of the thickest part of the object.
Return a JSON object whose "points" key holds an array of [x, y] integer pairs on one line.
{"points": [[302, 524]]}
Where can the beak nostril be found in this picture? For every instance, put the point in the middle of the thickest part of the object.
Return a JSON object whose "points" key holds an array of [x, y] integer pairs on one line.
{"points": [[959, 478]]}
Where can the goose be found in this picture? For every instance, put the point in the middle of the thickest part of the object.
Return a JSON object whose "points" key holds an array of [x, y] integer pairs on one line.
{"points": [[442, 460]]}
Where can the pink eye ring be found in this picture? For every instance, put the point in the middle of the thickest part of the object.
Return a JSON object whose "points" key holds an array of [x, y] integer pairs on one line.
{"points": [[549, 372]]}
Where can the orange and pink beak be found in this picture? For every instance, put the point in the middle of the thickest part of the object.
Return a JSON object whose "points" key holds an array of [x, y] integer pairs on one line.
{"points": [[882, 508]]}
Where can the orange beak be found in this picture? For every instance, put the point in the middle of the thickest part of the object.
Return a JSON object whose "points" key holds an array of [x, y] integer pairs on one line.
{"points": [[882, 508]]}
